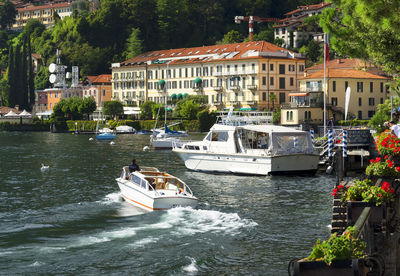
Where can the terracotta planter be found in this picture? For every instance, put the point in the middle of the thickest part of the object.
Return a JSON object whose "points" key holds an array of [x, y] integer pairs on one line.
{"points": [[353, 267], [355, 208]]}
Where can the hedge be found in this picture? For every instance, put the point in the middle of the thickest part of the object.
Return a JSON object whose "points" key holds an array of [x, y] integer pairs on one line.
{"points": [[34, 126]]}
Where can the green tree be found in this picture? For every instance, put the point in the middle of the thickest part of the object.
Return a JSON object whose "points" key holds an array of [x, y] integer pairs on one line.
{"points": [[31, 76], [276, 116], [146, 110], [232, 37], [42, 78], [24, 76], [266, 35], [313, 51], [158, 110], [206, 119], [88, 106], [133, 44], [113, 108], [366, 30], [189, 110], [7, 14], [4, 90], [11, 74], [272, 98], [383, 114]]}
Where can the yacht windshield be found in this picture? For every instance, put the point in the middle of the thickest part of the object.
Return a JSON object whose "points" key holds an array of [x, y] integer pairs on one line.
{"points": [[286, 143]]}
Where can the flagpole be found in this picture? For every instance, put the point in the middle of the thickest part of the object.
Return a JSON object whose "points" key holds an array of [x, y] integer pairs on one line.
{"points": [[325, 84]]}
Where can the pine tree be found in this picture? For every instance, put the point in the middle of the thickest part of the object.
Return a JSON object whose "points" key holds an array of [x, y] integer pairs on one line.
{"points": [[24, 76], [31, 77], [11, 78], [18, 80]]}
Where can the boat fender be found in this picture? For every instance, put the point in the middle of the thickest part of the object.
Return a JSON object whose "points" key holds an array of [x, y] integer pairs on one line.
{"points": [[329, 169]]}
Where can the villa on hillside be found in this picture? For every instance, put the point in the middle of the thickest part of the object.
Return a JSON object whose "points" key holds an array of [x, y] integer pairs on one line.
{"points": [[43, 13], [249, 75], [369, 87], [291, 29]]}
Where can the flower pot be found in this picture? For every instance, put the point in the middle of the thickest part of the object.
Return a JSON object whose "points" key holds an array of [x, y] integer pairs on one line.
{"points": [[355, 208], [354, 267]]}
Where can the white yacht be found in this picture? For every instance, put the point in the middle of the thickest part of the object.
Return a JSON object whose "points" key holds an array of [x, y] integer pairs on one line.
{"points": [[242, 148], [151, 189]]}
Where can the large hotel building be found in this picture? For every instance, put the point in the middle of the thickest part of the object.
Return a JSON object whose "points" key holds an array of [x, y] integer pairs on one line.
{"points": [[250, 75]]}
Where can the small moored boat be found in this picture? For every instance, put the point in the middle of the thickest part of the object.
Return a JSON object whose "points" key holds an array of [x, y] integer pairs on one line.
{"points": [[151, 189]]}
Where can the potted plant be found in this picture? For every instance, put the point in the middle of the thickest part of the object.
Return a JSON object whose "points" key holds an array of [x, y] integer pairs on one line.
{"points": [[388, 144], [339, 255], [384, 168], [363, 194]]}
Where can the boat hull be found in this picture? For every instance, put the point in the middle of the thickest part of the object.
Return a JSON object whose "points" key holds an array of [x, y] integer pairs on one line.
{"points": [[253, 165], [105, 136], [148, 201], [166, 143]]}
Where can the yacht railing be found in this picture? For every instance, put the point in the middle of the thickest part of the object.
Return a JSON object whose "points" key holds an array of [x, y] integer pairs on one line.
{"points": [[238, 118]]}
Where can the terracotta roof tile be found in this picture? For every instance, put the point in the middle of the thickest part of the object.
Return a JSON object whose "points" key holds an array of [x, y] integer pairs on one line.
{"points": [[42, 7], [104, 78], [309, 8], [343, 73], [5, 109], [206, 53]]}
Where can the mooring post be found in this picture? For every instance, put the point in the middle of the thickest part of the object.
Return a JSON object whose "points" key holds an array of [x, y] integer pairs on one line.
{"points": [[339, 166], [330, 144], [312, 135]]}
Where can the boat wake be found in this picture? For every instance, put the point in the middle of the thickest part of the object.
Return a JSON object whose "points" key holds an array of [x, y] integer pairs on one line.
{"points": [[191, 268], [112, 198], [179, 222]]}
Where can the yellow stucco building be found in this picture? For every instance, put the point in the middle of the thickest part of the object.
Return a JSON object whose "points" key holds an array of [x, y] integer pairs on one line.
{"points": [[367, 85], [242, 75]]}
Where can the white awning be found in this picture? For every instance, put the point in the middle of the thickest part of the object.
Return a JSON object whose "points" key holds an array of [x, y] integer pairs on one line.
{"points": [[128, 110], [25, 114], [11, 114], [44, 113], [299, 94]]}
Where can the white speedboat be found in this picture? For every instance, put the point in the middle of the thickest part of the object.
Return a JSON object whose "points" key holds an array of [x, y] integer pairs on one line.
{"points": [[125, 130], [151, 189], [251, 149]]}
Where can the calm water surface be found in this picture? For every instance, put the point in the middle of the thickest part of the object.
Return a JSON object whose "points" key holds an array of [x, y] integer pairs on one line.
{"points": [[71, 219]]}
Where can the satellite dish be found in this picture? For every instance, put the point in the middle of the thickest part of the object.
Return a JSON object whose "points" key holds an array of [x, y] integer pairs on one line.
{"points": [[52, 68], [68, 76], [52, 78]]}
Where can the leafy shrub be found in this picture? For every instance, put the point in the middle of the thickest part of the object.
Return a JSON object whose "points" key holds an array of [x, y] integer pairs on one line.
{"points": [[344, 247], [366, 192], [206, 120]]}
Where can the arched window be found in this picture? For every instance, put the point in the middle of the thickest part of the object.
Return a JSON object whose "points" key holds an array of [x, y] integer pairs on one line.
{"points": [[306, 115], [287, 116], [291, 115]]}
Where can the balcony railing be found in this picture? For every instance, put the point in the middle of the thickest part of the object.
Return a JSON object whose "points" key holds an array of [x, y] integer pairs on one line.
{"points": [[217, 88], [252, 87], [314, 89], [235, 87]]}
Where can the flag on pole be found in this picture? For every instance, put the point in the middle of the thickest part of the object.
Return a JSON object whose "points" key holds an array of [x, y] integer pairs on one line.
{"points": [[346, 105], [326, 47]]}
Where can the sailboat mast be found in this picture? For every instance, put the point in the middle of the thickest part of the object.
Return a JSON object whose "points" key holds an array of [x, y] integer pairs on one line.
{"points": [[166, 96]]}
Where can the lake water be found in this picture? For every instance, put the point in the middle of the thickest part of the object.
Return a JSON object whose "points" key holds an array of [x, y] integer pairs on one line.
{"points": [[71, 219]]}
